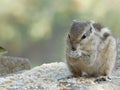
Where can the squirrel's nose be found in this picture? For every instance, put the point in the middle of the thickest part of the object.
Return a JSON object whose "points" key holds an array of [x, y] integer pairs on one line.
{"points": [[73, 48]]}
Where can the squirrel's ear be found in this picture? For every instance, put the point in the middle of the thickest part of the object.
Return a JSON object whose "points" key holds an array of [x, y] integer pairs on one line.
{"points": [[73, 22], [97, 26]]}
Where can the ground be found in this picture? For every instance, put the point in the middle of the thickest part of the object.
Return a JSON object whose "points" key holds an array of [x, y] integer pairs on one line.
{"points": [[56, 76]]}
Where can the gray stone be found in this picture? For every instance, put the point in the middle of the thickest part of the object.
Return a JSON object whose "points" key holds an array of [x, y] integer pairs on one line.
{"points": [[56, 76], [13, 64]]}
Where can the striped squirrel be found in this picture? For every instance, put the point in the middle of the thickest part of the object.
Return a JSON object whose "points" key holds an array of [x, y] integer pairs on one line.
{"points": [[90, 48]]}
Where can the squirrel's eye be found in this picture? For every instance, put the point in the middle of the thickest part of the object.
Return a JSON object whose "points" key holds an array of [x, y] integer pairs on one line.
{"points": [[84, 36]]}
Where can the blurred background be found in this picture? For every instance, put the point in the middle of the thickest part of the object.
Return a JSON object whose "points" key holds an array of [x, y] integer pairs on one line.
{"points": [[36, 29]]}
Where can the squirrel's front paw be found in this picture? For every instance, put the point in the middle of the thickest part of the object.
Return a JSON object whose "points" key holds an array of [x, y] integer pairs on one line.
{"points": [[75, 54]]}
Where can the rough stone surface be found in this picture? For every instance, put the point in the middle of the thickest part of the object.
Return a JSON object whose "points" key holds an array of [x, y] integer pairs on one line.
{"points": [[13, 64], [56, 76]]}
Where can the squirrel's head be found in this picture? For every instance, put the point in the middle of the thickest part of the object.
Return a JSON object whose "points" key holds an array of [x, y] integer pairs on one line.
{"points": [[85, 36], [80, 33]]}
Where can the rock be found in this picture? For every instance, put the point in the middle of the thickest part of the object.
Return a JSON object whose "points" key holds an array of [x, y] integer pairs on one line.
{"points": [[56, 76], [13, 64], [43, 77]]}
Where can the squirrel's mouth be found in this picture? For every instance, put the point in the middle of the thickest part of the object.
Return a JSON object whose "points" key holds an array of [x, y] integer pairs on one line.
{"points": [[73, 54]]}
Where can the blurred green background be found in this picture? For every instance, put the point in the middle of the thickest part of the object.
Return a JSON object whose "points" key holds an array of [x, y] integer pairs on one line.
{"points": [[36, 29]]}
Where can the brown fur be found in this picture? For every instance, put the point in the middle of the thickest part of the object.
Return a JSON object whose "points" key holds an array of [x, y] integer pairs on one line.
{"points": [[105, 35], [97, 26]]}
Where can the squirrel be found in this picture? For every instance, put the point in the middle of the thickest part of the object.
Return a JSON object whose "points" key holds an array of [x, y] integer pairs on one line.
{"points": [[90, 48]]}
